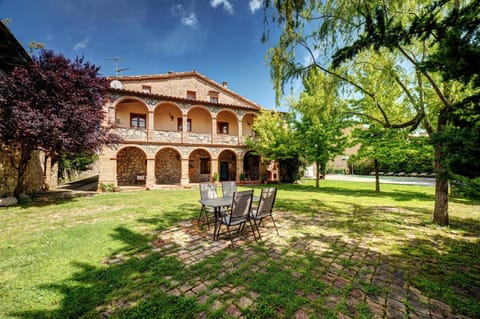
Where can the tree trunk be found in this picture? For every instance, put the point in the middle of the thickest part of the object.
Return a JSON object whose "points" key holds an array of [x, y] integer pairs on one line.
{"points": [[440, 213], [377, 178], [324, 169], [25, 155], [317, 179]]}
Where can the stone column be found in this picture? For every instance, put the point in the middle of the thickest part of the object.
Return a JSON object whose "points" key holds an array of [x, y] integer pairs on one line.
{"points": [[239, 167], [214, 130], [184, 128], [240, 132], [150, 126], [184, 180], [150, 182], [107, 168], [214, 167]]}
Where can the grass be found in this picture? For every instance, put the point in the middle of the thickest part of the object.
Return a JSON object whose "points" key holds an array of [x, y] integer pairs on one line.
{"points": [[99, 256]]}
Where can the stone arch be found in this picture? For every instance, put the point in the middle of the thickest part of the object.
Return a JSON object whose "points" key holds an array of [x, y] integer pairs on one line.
{"points": [[227, 165], [199, 166], [131, 112], [166, 116], [229, 117], [201, 119], [168, 166], [251, 166], [131, 166], [247, 123]]}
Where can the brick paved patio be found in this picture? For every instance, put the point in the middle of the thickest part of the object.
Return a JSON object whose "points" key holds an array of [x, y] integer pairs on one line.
{"points": [[356, 279]]}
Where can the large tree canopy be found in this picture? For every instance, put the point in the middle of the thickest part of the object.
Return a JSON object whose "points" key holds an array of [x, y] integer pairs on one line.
{"points": [[389, 56], [320, 120], [53, 105]]}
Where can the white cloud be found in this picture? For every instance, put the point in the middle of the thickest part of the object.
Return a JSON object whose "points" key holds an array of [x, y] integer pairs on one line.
{"points": [[81, 44], [254, 5], [187, 19], [226, 5]]}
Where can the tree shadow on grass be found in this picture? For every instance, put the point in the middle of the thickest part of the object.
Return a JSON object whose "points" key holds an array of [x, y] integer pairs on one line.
{"points": [[162, 221], [52, 198], [314, 274], [126, 285]]}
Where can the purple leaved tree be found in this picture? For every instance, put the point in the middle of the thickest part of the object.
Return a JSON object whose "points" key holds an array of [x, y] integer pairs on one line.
{"points": [[53, 105]]}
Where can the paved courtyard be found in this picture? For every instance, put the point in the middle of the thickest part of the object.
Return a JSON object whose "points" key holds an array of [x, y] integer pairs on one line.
{"points": [[352, 278]]}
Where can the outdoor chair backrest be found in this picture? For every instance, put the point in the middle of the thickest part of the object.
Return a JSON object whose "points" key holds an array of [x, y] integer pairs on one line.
{"points": [[208, 190], [267, 199], [229, 188], [241, 204]]}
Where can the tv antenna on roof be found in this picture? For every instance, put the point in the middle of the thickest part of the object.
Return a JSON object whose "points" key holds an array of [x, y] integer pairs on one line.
{"points": [[117, 69]]}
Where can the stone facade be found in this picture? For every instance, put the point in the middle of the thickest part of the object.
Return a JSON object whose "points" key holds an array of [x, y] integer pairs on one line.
{"points": [[35, 178], [131, 166], [168, 167], [172, 137]]}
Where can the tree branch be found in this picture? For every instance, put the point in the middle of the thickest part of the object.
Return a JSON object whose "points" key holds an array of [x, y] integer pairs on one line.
{"points": [[428, 77]]}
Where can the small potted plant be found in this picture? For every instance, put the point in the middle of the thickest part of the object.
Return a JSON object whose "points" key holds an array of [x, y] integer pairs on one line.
{"points": [[215, 177]]}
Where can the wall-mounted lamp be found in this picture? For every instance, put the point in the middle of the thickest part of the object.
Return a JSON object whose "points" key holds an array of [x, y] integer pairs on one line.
{"points": [[171, 116]]}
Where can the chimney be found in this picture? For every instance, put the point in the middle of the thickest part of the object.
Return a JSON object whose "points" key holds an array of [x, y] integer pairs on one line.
{"points": [[171, 72], [225, 84]]}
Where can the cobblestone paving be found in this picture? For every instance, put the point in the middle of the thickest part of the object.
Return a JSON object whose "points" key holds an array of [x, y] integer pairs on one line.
{"points": [[356, 279]]}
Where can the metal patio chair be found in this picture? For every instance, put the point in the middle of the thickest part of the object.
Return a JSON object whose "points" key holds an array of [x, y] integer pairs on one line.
{"points": [[228, 188], [207, 191], [264, 208], [238, 214]]}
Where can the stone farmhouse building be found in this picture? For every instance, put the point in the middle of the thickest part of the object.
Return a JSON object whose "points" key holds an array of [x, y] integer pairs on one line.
{"points": [[40, 173], [178, 128]]}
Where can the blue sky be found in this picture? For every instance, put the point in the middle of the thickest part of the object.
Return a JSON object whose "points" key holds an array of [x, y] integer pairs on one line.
{"points": [[218, 38]]}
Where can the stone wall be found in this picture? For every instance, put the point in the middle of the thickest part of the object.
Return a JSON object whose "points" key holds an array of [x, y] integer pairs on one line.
{"points": [[130, 163], [34, 179], [227, 139], [167, 136], [168, 167], [199, 138]]}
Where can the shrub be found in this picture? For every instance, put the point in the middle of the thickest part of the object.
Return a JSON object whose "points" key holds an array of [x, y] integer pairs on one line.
{"points": [[107, 187]]}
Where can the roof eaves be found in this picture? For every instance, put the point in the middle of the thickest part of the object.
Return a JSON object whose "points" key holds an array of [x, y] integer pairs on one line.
{"points": [[179, 99], [194, 73]]}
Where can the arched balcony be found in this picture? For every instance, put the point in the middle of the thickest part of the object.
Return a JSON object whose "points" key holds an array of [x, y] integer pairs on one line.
{"points": [[247, 125], [227, 127], [199, 126], [131, 119], [167, 123]]}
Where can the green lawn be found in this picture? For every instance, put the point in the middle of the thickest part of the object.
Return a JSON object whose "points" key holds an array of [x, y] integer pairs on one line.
{"points": [[96, 256]]}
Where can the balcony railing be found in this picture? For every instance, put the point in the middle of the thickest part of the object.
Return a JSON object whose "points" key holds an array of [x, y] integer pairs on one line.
{"points": [[167, 136], [136, 134], [199, 138], [227, 139]]}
